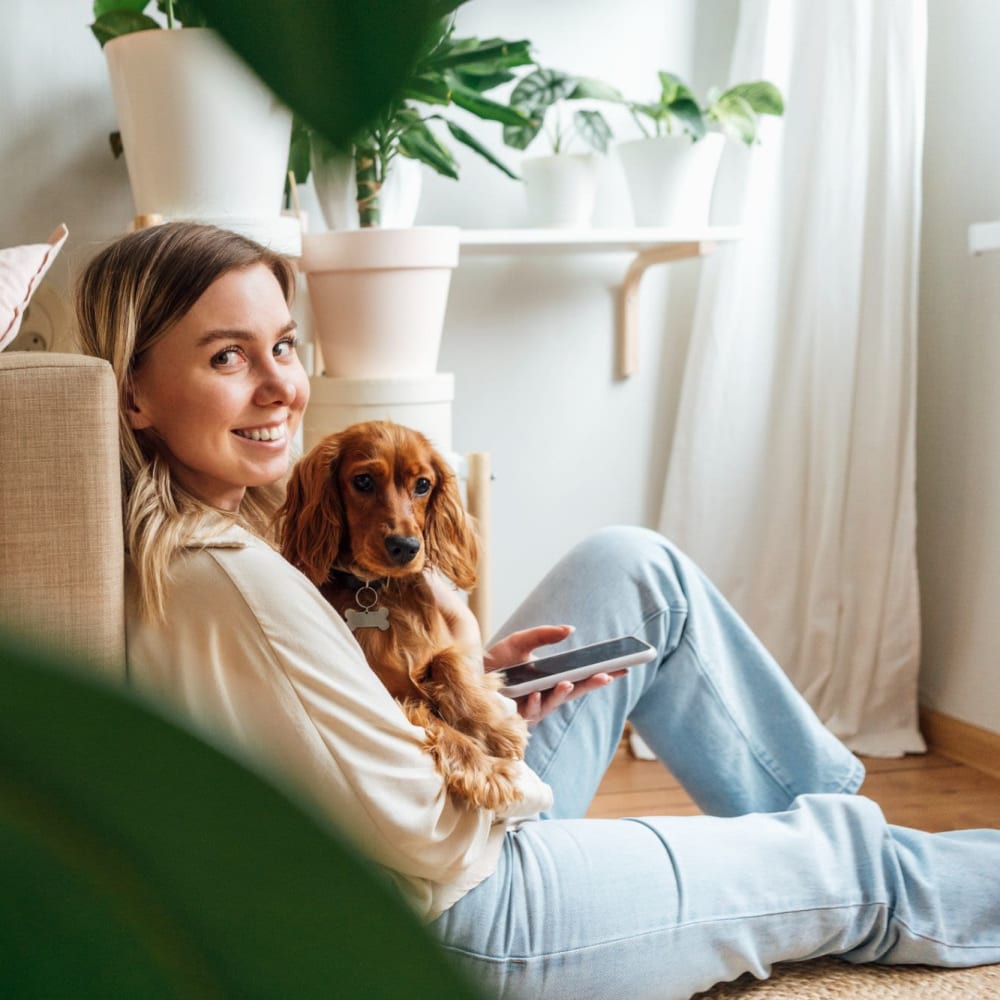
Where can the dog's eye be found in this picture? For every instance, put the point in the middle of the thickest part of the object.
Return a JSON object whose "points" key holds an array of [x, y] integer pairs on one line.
{"points": [[422, 487], [364, 483]]}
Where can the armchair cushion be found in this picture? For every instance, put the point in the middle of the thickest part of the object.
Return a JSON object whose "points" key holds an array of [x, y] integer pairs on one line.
{"points": [[61, 542]]}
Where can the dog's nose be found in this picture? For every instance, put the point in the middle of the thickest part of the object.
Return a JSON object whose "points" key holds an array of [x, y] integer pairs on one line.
{"points": [[402, 549]]}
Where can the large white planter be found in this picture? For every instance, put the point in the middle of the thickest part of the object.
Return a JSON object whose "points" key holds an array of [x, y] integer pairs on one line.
{"points": [[378, 298], [560, 189], [204, 138], [671, 179], [337, 191], [422, 402]]}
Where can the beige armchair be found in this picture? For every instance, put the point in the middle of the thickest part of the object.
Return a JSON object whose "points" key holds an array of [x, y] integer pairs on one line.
{"points": [[61, 546]]}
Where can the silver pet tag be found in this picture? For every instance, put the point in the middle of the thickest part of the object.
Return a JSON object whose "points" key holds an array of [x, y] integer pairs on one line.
{"points": [[366, 599], [367, 619]]}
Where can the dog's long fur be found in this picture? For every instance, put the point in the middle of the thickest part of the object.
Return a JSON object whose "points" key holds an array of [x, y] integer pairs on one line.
{"points": [[356, 498]]}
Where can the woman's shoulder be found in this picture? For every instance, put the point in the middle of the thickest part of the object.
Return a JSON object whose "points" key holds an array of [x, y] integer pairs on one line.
{"points": [[257, 570], [233, 582]]}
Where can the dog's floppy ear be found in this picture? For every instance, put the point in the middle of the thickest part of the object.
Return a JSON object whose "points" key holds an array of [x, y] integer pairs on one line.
{"points": [[311, 520], [450, 535]]}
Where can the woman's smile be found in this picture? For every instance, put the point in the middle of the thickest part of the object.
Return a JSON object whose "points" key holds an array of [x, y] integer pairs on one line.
{"points": [[271, 434]]}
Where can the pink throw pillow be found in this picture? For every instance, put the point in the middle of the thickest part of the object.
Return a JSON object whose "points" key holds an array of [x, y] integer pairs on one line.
{"points": [[21, 270]]}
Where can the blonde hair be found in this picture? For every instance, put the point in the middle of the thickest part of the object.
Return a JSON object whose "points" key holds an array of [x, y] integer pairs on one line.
{"points": [[127, 298]]}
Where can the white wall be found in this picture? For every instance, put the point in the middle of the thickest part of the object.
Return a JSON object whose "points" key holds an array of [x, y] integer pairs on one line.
{"points": [[958, 440]]}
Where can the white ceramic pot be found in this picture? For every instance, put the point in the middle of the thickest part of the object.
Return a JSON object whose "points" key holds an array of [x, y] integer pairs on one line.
{"points": [[337, 191], [671, 179], [423, 402], [560, 189], [378, 298], [204, 138]]}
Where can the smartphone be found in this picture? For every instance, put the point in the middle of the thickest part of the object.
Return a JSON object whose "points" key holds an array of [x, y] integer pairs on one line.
{"points": [[575, 665]]}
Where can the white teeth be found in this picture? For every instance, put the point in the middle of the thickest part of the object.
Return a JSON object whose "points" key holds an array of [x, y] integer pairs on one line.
{"points": [[264, 433]]}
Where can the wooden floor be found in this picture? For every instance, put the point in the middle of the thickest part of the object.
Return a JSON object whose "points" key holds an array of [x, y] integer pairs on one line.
{"points": [[926, 791]]}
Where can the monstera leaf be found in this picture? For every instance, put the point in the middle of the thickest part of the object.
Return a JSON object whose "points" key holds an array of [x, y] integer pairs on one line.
{"points": [[336, 63], [137, 861]]}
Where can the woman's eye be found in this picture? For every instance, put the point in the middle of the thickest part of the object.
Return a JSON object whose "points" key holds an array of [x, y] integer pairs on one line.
{"points": [[422, 487], [364, 483], [283, 348], [230, 357]]}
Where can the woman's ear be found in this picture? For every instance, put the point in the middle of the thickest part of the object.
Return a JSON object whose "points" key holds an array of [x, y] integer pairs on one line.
{"points": [[137, 418], [311, 519], [452, 544]]}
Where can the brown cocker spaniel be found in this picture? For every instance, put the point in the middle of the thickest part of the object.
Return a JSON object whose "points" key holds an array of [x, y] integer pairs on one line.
{"points": [[368, 513]]}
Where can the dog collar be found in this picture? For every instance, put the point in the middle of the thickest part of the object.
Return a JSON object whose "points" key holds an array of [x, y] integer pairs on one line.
{"points": [[349, 580]]}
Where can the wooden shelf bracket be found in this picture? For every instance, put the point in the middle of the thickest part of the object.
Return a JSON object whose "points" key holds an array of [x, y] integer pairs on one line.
{"points": [[627, 333]]}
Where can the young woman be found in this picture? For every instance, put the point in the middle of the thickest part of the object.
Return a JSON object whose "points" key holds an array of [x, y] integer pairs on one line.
{"points": [[786, 864]]}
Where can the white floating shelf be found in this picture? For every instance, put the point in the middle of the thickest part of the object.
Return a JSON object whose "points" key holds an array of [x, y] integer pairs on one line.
{"points": [[632, 239], [984, 237], [648, 246]]}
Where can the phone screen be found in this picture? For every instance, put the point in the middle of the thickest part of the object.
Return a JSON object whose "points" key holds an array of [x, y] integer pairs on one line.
{"points": [[572, 659]]}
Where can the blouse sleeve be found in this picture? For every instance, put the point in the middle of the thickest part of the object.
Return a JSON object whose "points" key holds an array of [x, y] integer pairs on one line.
{"points": [[254, 655]]}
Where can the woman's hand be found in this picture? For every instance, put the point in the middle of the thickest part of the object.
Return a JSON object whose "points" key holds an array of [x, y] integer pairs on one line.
{"points": [[518, 647], [460, 620]]}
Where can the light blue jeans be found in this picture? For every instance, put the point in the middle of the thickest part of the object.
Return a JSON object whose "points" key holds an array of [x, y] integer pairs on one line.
{"points": [[786, 864]]}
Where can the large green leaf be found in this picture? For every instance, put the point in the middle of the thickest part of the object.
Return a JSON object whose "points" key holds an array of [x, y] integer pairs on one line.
{"points": [[103, 6], [483, 107], [594, 130], [595, 90], [420, 143], [521, 136], [690, 116], [538, 91], [763, 97], [337, 63], [484, 56], [673, 88], [117, 22], [429, 89], [137, 861], [474, 144], [736, 117]]}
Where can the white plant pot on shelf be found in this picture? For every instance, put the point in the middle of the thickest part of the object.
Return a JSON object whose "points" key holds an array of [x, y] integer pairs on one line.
{"points": [[337, 191], [561, 189], [204, 138], [671, 179], [379, 297], [423, 403]]}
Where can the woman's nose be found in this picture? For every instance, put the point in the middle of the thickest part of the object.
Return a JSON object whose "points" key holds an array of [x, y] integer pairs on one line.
{"points": [[276, 387]]}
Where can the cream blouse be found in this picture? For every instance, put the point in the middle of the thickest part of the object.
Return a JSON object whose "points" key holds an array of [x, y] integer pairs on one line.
{"points": [[254, 656]]}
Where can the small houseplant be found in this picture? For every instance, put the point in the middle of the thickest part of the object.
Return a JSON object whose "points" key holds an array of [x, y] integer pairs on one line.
{"points": [[560, 188], [671, 170], [203, 136], [450, 71]]}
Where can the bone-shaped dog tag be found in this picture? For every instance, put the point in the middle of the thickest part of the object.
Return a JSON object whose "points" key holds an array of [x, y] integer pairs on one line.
{"points": [[367, 619]]}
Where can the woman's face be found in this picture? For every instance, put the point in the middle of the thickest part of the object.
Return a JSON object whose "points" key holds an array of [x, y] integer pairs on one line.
{"points": [[223, 389]]}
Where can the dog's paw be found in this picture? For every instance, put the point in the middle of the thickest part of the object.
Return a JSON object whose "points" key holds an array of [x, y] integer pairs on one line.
{"points": [[507, 737], [493, 785]]}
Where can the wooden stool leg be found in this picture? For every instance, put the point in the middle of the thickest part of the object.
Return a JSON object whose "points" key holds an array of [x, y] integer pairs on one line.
{"points": [[479, 507]]}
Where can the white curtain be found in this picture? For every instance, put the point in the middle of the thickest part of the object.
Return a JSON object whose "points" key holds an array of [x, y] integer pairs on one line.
{"points": [[791, 473]]}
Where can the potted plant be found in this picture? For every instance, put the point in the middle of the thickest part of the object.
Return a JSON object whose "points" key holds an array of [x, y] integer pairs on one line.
{"points": [[203, 137], [560, 187], [671, 171], [451, 71], [379, 293]]}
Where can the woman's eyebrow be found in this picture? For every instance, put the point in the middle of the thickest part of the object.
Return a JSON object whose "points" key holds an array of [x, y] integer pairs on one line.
{"points": [[212, 336]]}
